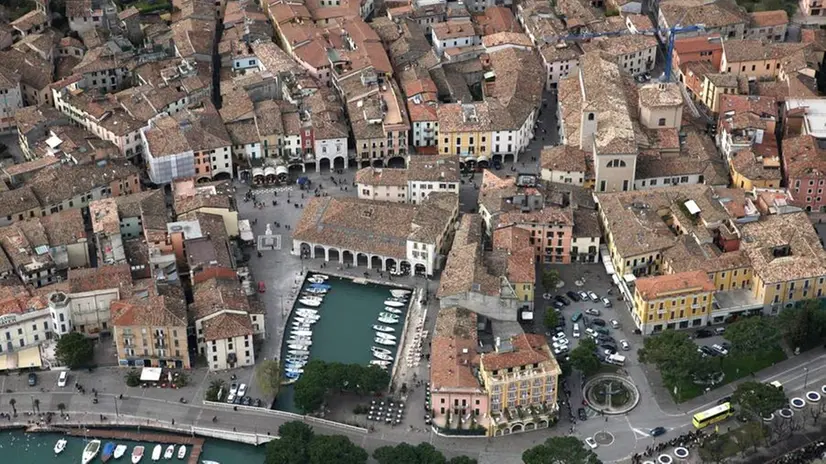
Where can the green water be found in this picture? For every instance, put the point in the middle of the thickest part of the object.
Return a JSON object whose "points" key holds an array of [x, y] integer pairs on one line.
{"points": [[344, 333], [38, 448]]}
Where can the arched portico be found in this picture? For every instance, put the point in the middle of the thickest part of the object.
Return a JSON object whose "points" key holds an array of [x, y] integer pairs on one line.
{"points": [[305, 250], [396, 162], [333, 254], [340, 162], [323, 165], [378, 163], [319, 252], [347, 256], [362, 260], [510, 158], [404, 267], [517, 427], [420, 269], [390, 264], [364, 164], [376, 263], [496, 158]]}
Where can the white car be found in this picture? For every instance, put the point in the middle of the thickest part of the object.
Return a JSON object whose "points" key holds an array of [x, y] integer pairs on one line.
{"points": [[242, 390], [592, 312], [64, 377], [719, 349], [561, 345], [233, 389], [625, 346], [591, 442], [614, 323], [593, 297], [559, 337], [230, 397], [559, 351], [576, 333], [591, 331], [584, 296]]}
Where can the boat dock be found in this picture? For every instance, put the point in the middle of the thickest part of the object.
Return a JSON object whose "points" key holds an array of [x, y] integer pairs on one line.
{"points": [[195, 444]]}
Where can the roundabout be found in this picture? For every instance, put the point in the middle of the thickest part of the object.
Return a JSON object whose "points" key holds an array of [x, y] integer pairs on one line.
{"points": [[611, 394]]}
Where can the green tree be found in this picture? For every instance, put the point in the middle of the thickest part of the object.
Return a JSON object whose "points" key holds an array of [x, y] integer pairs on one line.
{"points": [[338, 449], [291, 447], [550, 278], [268, 376], [551, 318], [462, 460], [403, 453], [674, 354], [584, 357], [373, 379], [759, 399], [753, 335], [133, 378], [804, 326], [215, 387], [74, 350], [560, 450], [61, 407], [36, 404]]}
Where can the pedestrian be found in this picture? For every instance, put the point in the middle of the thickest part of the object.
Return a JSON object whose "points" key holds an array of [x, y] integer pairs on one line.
{"points": [[173, 421]]}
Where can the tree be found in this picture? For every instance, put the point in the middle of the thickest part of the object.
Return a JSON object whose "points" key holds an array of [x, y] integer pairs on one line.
{"points": [[327, 449], [291, 448], [61, 407], [215, 387], [550, 278], [674, 354], [372, 378], [551, 318], [403, 453], [133, 378], [74, 350], [759, 399], [753, 335], [462, 460], [584, 357], [319, 378], [804, 326], [560, 450], [36, 404], [268, 376]]}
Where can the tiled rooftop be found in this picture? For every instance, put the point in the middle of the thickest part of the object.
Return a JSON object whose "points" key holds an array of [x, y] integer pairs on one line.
{"points": [[454, 350], [669, 285], [783, 248], [528, 349]]}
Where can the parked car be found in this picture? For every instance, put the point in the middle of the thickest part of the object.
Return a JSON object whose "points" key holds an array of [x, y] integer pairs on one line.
{"points": [[708, 351], [598, 321], [262, 287], [576, 317], [719, 349], [593, 296], [726, 345], [657, 431], [560, 351], [561, 345], [720, 330], [703, 333], [231, 398], [602, 330], [592, 311], [560, 336], [233, 388], [32, 379], [614, 323], [581, 413], [608, 349], [576, 333], [625, 345], [606, 338], [558, 304], [591, 442], [247, 401], [257, 403], [562, 300], [242, 390], [591, 332], [723, 400], [606, 302], [583, 295], [573, 295], [62, 379]]}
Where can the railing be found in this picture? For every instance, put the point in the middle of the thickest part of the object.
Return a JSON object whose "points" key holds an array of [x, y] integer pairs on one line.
{"points": [[289, 416]]}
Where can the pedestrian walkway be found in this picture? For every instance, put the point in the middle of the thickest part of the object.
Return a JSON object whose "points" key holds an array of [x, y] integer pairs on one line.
{"points": [[283, 188]]}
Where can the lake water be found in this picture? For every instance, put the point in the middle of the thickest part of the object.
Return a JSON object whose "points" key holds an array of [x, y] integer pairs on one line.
{"points": [[344, 333], [38, 448]]}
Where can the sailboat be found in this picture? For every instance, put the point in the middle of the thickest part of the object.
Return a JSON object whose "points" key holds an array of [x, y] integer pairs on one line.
{"points": [[119, 451], [170, 451], [90, 451], [108, 450], [137, 454], [182, 452], [60, 446]]}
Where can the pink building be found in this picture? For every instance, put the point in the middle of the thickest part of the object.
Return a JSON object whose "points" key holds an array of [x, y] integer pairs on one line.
{"points": [[804, 168]]}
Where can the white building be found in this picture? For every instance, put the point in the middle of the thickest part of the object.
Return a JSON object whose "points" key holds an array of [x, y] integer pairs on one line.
{"points": [[453, 34], [424, 175], [166, 151], [11, 99]]}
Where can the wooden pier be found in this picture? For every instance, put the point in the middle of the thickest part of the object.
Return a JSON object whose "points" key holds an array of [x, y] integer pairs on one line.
{"points": [[195, 444]]}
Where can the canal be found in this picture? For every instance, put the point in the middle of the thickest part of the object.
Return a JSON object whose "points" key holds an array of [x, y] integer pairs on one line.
{"points": [[344, 333]]}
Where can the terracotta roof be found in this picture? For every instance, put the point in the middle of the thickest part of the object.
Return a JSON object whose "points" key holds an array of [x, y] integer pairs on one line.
{"points": [[227, 325], [454, 350], [702, 43], [564, 158], [453, 29], [64, 227], [681, 283], [768, 18], [216, 294], [527, 349], [100, 278], [382, 177], [803, 157], [152, 311], [17, 201], [794, 232], [465, 270], [714, 14]]}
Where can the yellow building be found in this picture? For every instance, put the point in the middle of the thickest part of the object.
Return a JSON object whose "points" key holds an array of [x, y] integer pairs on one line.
{"points": [[728, 271], [717, 84], [151, 332], [513, 246], [749, 170], [788, 262], [465, 130], [521, 379], [673, 301]]}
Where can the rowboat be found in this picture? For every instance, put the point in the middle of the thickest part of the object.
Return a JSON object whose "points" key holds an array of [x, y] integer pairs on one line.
{"points": [[383, 328], [393, 303], [90, 451], [384, 341], [390, 315], [386, 336], [182, 452], [321, 276], [376, 349], [60, 446], [393, 310], [308, 302], [156, 452], [120, 450], [170, 451], [137, 454]]}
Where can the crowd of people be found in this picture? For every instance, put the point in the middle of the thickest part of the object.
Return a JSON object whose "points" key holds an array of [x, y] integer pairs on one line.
{"points": [[804, 455], [686, 440]]}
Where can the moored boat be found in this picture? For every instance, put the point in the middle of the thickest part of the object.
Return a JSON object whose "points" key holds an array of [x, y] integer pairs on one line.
{"points": [[181, 451], [393, 310], [376, 349], [383, 357], [170, 451], [90, 451], [108, 450], [393, 303], [209, 462], [382, 364], [399, 293], [309, 302], [120, 450], [383, 328], [385, 335], [389, 320], [298, 346], [137, 454], [60, 446], [298, 352], [384, 341], [156, 452]]}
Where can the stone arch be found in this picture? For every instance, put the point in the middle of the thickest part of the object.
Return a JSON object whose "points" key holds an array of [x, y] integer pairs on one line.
{"points": [[324, 164], [334, 254], [421, 269], [483, 163], [390, 264], [339, 163], [296, 169], [305, 250], [375, 262], [378, 163], [404, 267], [397, 162], [506, 431], [319, 252], [202, 179], [222, 176], [362, 260], [530, 426], [510, 158], [496, 158], [543, 424], [347, 256], [364, 163], [517, 427]]}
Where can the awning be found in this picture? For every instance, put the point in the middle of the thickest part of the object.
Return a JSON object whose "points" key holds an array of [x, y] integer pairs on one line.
{"points": [[30, 357], [150, 374], [482, 158]]}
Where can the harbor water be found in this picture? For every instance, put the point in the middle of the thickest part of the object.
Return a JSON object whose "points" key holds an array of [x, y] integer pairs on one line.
{"points": [[38, 448], [344, 333]]}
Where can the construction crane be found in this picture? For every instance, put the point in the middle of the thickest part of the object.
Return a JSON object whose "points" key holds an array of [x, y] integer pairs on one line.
{"points": [[672, 34]]}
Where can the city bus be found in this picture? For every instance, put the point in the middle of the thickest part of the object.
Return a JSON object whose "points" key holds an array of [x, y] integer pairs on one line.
{"points": [[710, 416]]}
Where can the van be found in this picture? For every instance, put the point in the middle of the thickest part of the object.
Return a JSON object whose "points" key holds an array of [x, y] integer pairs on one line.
{"points": [[617, 359], [64, 377]]}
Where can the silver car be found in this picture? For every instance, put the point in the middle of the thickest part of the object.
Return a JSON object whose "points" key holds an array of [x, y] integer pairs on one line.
{"points": [[594, 297]]}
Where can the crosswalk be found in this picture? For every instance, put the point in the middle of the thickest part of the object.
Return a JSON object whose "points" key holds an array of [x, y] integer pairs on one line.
{"points": [[283, 188]]}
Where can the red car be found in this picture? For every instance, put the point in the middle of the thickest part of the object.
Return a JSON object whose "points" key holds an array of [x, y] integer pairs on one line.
{"points": [[262, 287]]}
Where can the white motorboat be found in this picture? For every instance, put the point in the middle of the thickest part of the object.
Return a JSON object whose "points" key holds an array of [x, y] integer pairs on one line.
{"points": [[384, 341], [156, 452], [298, 352], [383, 357], [400, 293], [181, 451], [389, 320], [385, 335], [305, 319], [60, 446], [294, 371], [170, 451], [302, 333], [383, 328], [308, 302], [382, 364], [209, 462], [320, 276], [376, 349], [298, 346], [90, 451], [316, 290], [300, 339], [120, 450], [137, 454], [393, 303], [310, 311], [389, 315], [393, 310]]}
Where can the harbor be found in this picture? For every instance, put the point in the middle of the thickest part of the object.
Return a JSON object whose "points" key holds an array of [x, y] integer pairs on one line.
{"points": [[338, 319]]}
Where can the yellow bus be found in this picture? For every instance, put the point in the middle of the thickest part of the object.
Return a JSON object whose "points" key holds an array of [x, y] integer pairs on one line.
{"points": [[709, 416]]}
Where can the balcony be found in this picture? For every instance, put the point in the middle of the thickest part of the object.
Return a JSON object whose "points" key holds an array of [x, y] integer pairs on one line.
{"points": [[523, 418]]}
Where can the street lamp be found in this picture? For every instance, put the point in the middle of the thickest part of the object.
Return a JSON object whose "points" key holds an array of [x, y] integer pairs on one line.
{"points": [[806, 379]]}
